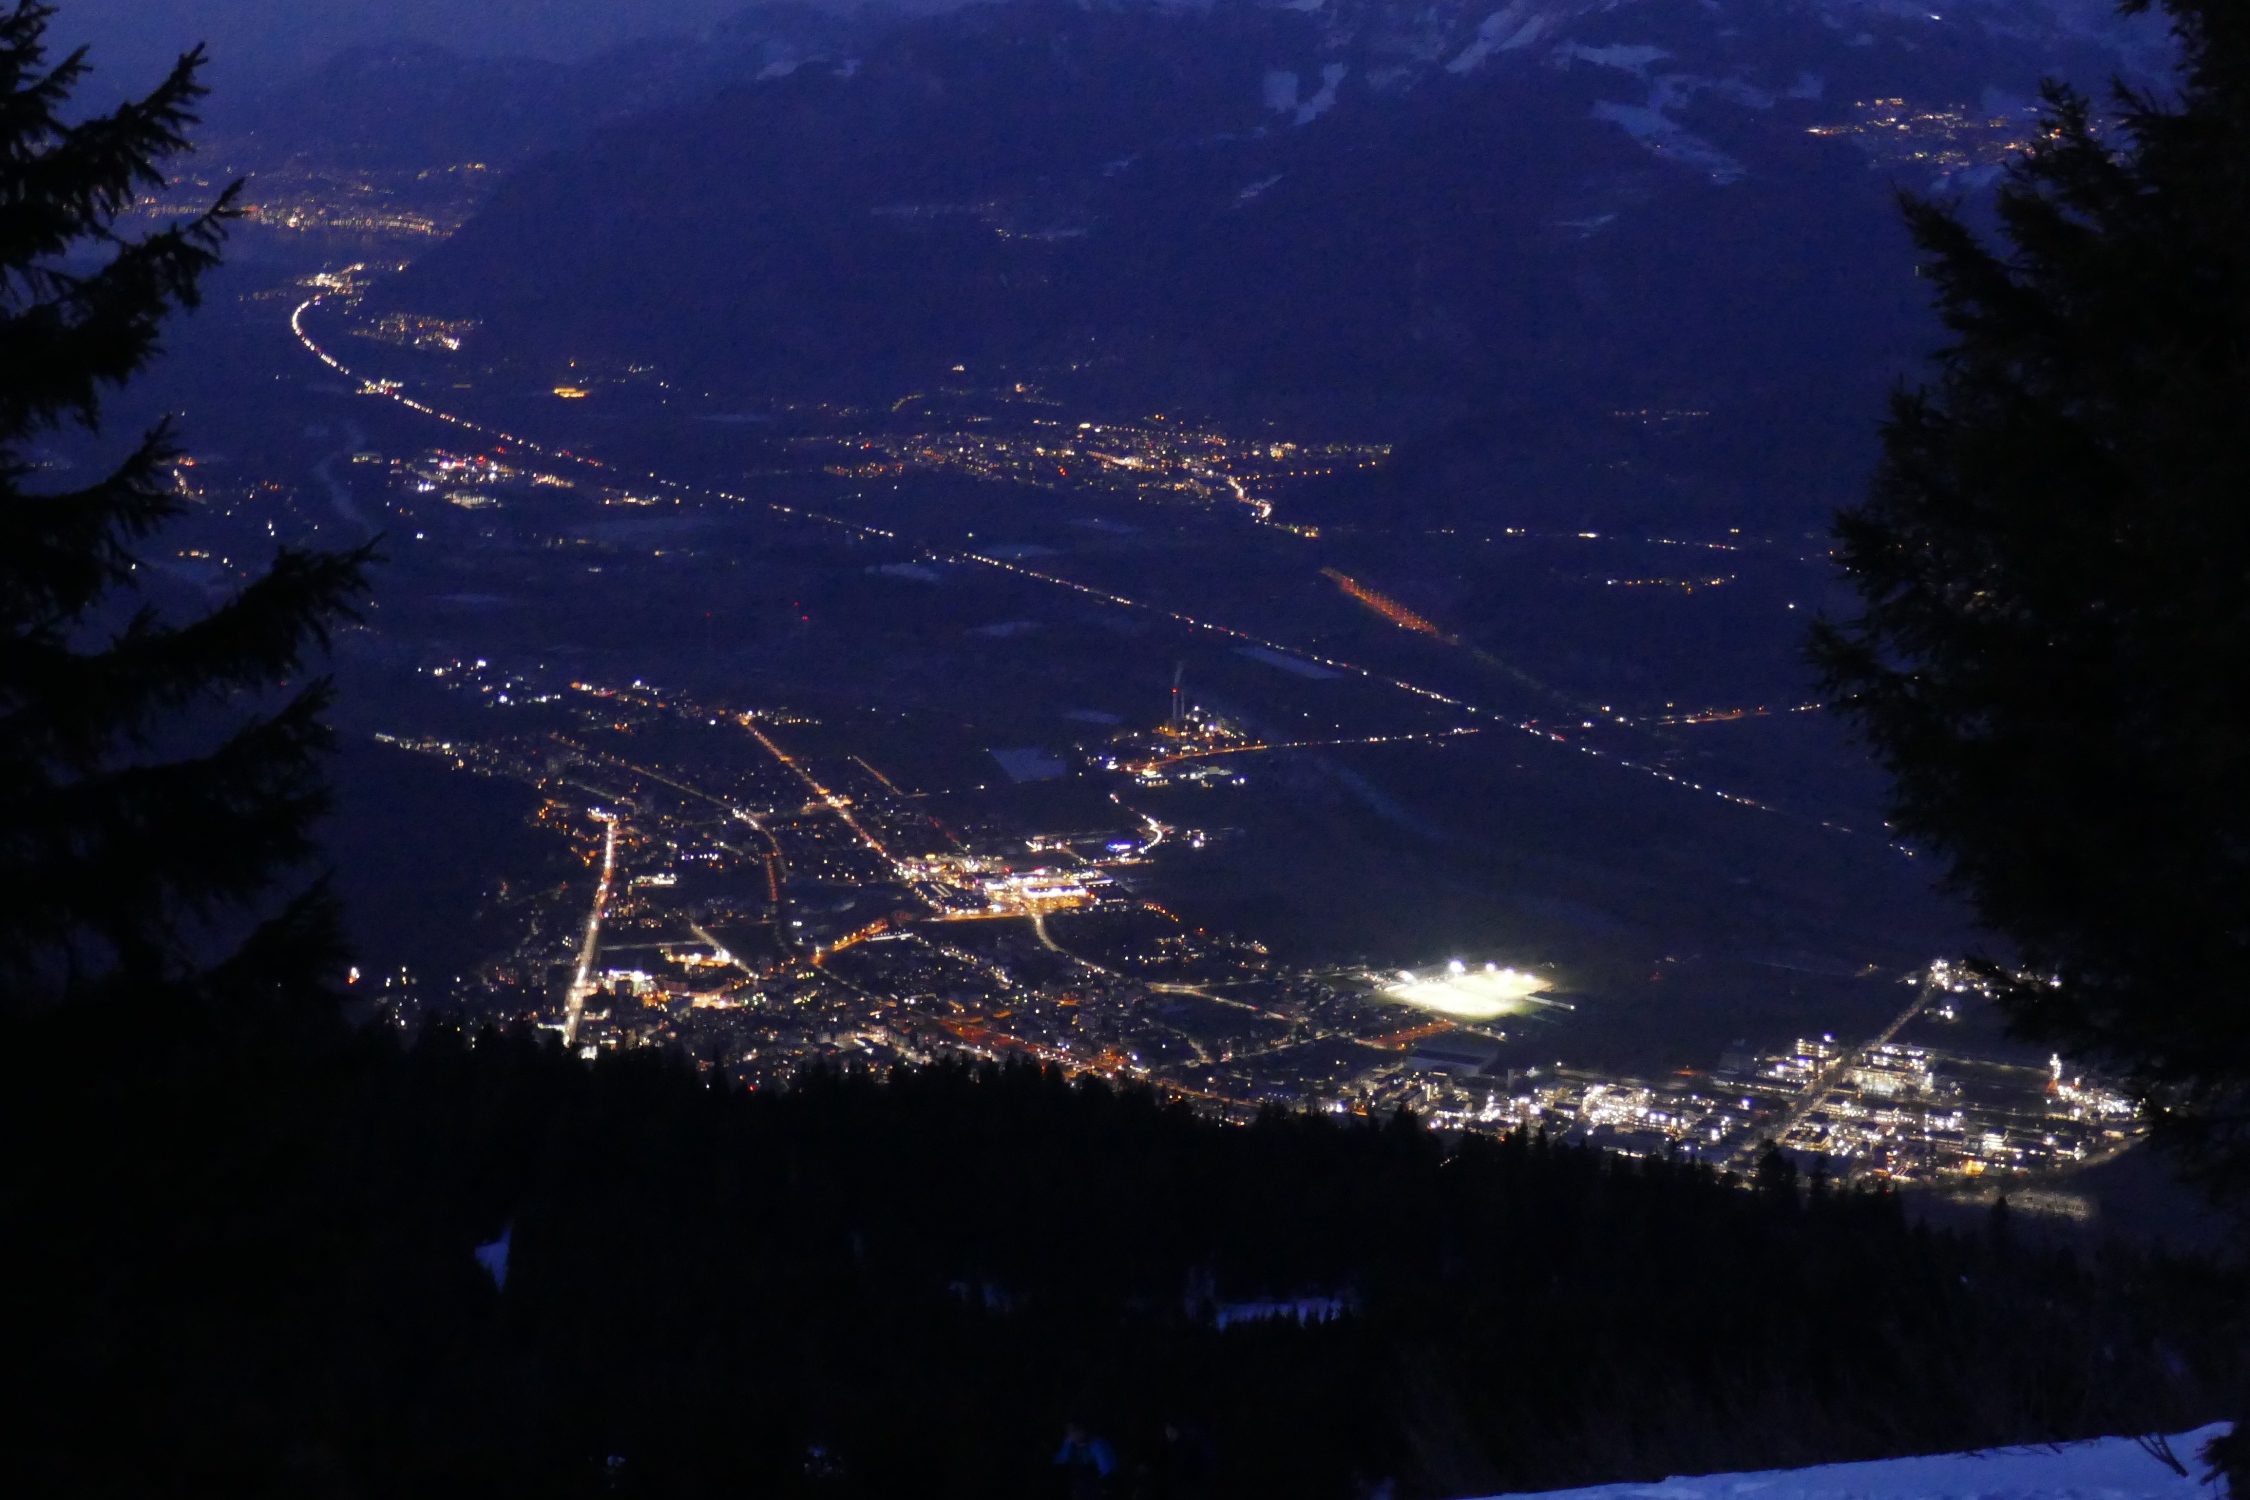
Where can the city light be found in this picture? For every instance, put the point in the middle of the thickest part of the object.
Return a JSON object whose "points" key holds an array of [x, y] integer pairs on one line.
{"points": [[1472, 994], [341, 284], [865, 941]]}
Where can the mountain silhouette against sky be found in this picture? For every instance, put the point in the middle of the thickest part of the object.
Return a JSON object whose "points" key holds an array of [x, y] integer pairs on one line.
{"points": [[1513, 239]]}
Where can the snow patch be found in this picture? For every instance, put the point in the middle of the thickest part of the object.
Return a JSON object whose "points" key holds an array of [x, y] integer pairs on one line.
{"points": [[1281, 91], [1970, 180], [1509, 29], [1030, 763], [1303, 1311], [1587, 227], [1735, 91], [1630, 58], [1289, 664], [2118, 1468], [1331, 75], [493, 1258], [1654, 127], [1665, 137]]}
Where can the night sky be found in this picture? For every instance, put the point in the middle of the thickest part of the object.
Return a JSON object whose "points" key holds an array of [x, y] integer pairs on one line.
{"points": [[276, 37]]}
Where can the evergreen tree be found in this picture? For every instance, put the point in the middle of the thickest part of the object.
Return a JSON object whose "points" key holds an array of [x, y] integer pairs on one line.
{"points": [[1776, 1178], [157, 776], [2053, 657]]}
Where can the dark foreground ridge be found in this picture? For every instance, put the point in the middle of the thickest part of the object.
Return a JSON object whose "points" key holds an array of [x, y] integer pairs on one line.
{"points": [[258, 1270]]}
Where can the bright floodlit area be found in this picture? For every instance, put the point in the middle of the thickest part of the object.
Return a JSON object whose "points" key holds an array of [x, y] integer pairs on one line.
{"points": [[1459, 989]]}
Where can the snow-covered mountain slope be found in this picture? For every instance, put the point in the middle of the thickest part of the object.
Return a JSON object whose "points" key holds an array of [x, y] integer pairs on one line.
{"points": [[2107, 1469], [1739, 53], [1400, 42], [1493, 233]]}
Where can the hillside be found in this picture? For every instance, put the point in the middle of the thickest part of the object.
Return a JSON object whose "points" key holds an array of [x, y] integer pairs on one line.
{"points": [[868, 1288]]}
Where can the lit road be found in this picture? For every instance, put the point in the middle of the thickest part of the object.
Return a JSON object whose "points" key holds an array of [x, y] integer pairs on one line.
{"points": [[1047, 941], [740, 815], [1201, 992], [582, 983], [835, 804], [1255, 746], [390, 390], [771, 858], [720, 950]]}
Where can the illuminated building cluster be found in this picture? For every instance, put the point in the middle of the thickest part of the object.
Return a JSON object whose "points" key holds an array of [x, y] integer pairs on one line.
{"points": [[1193, 745], [295, 198], [1945, 138], [1141, 462], [1917, 1113], [1684, 585], [1905, 1114], [407, 204], [761, 911], [765, 910], [413, 331]]}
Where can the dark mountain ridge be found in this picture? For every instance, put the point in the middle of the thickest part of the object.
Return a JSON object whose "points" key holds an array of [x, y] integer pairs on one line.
{"points": [[1484, 236], [414, 104]]}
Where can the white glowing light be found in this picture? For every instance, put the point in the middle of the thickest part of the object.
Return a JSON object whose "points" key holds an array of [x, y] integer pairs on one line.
{"points": [[1470, 994]]}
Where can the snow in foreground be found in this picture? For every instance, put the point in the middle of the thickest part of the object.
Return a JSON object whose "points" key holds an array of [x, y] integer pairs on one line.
{"points": [[2105, 1469]]}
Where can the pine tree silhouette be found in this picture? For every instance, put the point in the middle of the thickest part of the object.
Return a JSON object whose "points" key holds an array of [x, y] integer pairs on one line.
{"points": [[2053, 658], [134, 855]]}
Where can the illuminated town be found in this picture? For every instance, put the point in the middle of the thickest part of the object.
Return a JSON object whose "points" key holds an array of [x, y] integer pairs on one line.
{"points": [[1157, 460], [1948, 138], [761, 910], [761, 905], [297, 198]]}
